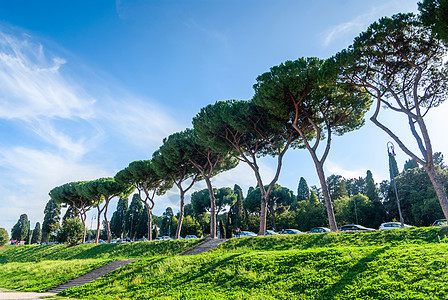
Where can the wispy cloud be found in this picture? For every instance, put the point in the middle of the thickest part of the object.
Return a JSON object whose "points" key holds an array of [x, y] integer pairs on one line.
{"points": [[31, 83], [209, 32], [353, 27], [143, 123], [27, 175], [65, 123]]}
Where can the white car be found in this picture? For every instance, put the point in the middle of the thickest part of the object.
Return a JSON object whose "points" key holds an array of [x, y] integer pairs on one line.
{"points": [[393, 225], [440, 223], [246, 234]]}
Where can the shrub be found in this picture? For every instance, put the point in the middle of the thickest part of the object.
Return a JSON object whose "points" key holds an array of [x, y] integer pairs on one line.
{"points": [[72, 231], [4, 238]]}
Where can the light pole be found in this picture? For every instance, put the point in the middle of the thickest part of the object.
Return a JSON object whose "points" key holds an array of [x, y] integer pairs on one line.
{"points": [[391, 153]]}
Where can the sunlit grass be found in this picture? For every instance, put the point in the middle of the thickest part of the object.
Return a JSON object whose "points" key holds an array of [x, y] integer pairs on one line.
{"points": [[39, 276], [377, 272], [35, 253]]}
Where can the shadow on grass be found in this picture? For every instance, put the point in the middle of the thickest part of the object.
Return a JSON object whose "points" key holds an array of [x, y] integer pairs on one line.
{"points": [[351, 275], [211, 266], [117, 275]]}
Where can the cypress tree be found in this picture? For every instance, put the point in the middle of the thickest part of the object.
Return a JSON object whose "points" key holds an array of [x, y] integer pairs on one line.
{"points": [[133, 216], [393, 168], [117, 223], [303, 191], [37, 234], [20, 230], [51, 219], [238, 207]]}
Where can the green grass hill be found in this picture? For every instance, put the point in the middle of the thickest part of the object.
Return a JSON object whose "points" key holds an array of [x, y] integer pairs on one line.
{"points": [[398, 264]]}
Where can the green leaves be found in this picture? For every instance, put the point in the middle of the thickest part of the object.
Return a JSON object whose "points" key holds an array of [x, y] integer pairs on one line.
{"points": [[398, 60], [143, 176]]}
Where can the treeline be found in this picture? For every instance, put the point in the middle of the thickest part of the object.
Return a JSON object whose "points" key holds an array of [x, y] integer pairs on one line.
{"points": [[357, 201]]}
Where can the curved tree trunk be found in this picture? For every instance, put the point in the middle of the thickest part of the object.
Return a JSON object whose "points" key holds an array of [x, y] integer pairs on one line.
{"points": [[181, 214], [98, 224], [326, 194], [148, 211], [83, 220], [213, 216], [440, 189], [263, 214], [109, 234]]}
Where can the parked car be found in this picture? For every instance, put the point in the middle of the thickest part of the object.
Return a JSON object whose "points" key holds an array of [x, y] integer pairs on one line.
{"points": [[440, 223], [191, 236], [319, 230], [291, 231], [353, 227], [270, 232], [393, 225], [246, 234]]}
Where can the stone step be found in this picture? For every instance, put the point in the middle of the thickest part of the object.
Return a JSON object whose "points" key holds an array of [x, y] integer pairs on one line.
{"points": [[92, 275], [205, 246]]}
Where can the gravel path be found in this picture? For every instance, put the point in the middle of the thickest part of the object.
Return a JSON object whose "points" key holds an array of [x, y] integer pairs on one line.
{"points": [[18, 295]]}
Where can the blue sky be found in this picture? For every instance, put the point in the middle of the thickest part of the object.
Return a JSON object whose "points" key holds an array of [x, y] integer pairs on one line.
{"points": [[86, 87]]}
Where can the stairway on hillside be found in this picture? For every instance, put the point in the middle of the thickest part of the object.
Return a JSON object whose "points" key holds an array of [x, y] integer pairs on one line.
{"points": [[205, 246], [92, 275]]}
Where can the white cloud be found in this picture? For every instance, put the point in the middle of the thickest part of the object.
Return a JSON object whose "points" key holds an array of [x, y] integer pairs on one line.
{"points": [[63, 122], [334, 168], [141, 122], [353, 27], [342, 29], [27, 177], [32, 86]]}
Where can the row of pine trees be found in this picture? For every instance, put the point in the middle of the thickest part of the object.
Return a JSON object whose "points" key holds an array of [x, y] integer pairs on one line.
{"points": [[357, 201]]}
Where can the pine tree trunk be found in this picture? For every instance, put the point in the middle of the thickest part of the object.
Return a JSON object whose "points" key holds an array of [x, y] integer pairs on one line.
{"points": [[440, 189], [263, 212], [181, 215], [327, 198], [109, 234], [98, 224], [83, 219], [212, 208], [148, 211]]}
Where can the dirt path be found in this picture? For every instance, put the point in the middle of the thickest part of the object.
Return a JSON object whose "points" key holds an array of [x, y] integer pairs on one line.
{"points": [[19, 295]]}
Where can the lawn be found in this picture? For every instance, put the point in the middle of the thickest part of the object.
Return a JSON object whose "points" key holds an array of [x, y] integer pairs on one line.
{"points": [[33, 253], [397, 264], [40, 276], [376, 272]]}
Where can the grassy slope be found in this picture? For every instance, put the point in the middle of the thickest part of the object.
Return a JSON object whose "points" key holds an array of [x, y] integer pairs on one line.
{"points": [[33, 253], [376, 272], [37, 268], [401, 264], [39, 276]]}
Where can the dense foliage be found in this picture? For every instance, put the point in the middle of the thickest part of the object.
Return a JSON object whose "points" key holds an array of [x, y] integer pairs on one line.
{"points": [[4, 238], [20, 230]]}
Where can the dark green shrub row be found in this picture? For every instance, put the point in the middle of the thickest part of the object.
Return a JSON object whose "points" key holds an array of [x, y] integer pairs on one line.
{"points": [[340, 239]]}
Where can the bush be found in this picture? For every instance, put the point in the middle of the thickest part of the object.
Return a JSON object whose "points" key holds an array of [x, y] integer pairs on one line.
{"points": [[72, 231], [4, 238]]}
